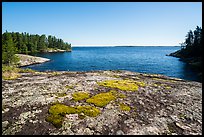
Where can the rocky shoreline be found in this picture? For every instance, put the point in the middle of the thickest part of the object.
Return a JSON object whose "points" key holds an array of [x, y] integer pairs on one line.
{"points": [[140, 104], [57, 50], [194, 62], [26, 60]]}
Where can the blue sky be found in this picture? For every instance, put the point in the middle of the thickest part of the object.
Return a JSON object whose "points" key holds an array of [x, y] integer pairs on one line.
{"points": [[105, 23]]}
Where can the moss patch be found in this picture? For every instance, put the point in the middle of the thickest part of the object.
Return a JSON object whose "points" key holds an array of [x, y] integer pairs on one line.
{"points": [[80, 96], [56, 120], [117, 94], [124, 107], [58, 111], [101, 99], [126, 85], [87, 110]]}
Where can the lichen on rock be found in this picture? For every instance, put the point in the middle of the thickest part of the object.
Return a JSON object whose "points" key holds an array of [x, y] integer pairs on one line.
{"points": [[58, 111], [61, 109], [124, 107], [88, 110], [126, 85], [80, 96], [56, 120], [31, 104], [101, 99]]}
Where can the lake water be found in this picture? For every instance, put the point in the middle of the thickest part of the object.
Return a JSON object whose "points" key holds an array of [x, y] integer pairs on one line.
{"points": [[138, 59]]}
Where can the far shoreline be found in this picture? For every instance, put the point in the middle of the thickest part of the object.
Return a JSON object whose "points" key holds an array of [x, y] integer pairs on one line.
{"points": [[95, 46]]}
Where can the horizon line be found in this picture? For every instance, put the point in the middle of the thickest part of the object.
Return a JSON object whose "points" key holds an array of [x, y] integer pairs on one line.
{"points": [[125, 45]]}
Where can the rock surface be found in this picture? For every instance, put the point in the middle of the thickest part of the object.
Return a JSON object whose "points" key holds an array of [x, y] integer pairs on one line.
{"points": [[26, 60], [164, 106], [57, 50]]}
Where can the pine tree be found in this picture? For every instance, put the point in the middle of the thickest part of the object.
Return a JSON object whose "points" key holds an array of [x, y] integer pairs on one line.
{"points": [[8, 50]]}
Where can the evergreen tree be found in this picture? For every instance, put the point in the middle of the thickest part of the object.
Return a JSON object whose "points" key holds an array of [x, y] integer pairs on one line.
{"points": [[27, 43], [8, 50], [50, 41], [24, 49], [189, 39], [41, 45]]}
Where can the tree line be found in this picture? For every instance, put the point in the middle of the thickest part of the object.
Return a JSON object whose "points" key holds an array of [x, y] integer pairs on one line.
{"points": [[25, 43], [191, 50], [192, 46]]}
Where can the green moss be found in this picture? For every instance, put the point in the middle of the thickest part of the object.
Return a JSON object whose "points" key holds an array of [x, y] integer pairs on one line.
{"points": [[140, 83], [120, 95], [124, 107], [80, 96], [58, 111], [126, 85], [113, 92], [56, 120], [101, 99], [88, 110], [117, 94]]}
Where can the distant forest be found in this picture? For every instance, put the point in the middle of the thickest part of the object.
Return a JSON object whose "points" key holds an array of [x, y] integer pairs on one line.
{"points": [[25, 43]]}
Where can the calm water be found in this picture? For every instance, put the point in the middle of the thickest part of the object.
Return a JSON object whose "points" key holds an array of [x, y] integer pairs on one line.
{"points": [[138, 59]]}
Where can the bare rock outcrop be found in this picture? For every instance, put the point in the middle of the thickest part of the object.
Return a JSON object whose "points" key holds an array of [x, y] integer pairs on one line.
{"points": [[26, 60], [143, 104]]}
